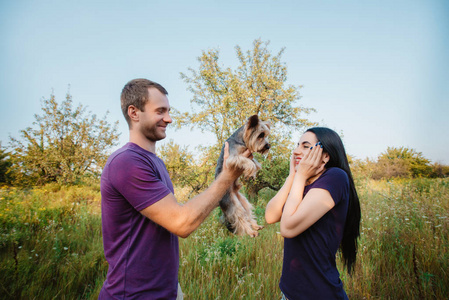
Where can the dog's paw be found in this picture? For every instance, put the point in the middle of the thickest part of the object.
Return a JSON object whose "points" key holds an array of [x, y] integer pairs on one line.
{"points": [[253, 234], [258, 227], [250, 171]]}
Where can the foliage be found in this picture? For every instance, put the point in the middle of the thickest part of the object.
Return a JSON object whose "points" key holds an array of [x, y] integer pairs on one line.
{"points": [[5, 165], [223, 99], [275, 168], [399, 162], [50, 242], [404, 238], [226, 97], [439, 170], [51, 247], [66, 144], [186, 169], [402, 162]]}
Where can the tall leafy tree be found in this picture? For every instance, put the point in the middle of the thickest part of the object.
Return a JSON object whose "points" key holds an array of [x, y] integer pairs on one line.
{"points": [[65, 144], [5, 165], [223, 98], [401, 162]]}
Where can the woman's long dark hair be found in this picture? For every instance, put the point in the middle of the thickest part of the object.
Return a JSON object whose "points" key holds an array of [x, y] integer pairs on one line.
{"points": [[333, 145]]}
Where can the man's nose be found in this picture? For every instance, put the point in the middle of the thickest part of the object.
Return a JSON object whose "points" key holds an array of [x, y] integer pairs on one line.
{"points": [[167, 118]]}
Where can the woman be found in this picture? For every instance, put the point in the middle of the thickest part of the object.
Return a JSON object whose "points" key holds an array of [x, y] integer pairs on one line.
{"points": [[319, 211]]}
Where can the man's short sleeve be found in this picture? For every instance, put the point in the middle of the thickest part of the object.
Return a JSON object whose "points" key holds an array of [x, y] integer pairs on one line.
{"points": [[138, 179]]}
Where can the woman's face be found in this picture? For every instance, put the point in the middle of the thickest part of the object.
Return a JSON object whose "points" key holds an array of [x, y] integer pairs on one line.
{"points": [[306, 141]]}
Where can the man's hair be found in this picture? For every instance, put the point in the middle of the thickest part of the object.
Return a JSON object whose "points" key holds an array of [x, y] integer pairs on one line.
{"points": [[135, 92]]}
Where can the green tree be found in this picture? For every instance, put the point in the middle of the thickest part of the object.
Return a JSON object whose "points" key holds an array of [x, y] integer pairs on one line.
{"points": [[439, 170], [66, 144], [223, 98], [5, 165], [401, 162], [185, 169], [362, 168], [275, 168]]}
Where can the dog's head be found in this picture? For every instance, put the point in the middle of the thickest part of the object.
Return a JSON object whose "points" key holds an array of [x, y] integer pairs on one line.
{"points": [[255, 135]]}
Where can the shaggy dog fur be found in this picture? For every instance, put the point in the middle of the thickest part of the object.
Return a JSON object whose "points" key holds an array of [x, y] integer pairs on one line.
{"points": [[237, 211]]}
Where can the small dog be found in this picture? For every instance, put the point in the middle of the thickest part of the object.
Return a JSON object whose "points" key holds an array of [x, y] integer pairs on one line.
{"points": [[237, 211]]}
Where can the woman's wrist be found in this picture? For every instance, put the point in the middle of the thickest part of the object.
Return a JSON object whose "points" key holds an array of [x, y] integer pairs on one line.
{"points": [[291, 175], [299, 177]]}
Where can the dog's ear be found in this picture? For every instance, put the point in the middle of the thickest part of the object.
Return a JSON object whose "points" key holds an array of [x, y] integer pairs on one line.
{"points": [[268, 124], [253, 121], [250, 126]]}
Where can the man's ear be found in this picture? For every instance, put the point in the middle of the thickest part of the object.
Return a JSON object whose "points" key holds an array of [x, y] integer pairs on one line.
{"points": [[132, 113]]}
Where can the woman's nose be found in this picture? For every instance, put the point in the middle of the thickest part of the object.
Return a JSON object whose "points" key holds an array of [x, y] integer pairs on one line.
{"points": [[297, 151]]}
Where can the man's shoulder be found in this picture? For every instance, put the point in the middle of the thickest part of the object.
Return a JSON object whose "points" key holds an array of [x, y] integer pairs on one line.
{"points": [[129, 152], [119, 155], [132, 158]]}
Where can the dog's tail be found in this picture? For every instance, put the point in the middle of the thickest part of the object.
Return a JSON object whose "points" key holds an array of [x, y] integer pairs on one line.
{"points": [[225, 204]]}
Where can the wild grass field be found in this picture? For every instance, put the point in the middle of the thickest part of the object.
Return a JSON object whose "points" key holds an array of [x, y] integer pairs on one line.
{"points": [[51, 246]]}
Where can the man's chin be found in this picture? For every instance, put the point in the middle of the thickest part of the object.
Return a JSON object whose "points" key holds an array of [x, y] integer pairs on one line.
{"points": [[156, 137], [161, 135]]}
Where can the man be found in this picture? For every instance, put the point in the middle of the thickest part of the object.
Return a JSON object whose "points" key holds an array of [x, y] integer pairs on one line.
{"points": [[141, 219]]}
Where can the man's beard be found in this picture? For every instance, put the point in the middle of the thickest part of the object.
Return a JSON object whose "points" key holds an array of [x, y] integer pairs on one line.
{"points": [[154, 132]]}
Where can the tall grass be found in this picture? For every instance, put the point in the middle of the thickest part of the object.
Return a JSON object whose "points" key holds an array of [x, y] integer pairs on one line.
{"points": [[404, 250], [50, 243], [51, 247], [218, 265]]}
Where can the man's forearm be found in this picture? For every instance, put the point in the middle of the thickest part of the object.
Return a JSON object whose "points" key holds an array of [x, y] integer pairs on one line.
{"points": [[196, 210]]}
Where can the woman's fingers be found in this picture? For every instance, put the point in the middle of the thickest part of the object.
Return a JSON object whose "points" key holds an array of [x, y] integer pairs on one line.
{"points": [[313, 159], [313, 155], [317, 155]]}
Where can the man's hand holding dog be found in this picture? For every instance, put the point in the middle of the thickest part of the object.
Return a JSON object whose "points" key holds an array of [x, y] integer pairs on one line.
{"points": [[232, 174]]}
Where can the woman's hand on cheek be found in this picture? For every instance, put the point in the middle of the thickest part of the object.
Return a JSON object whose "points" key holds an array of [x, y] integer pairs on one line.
{"points": [[312, 163]]}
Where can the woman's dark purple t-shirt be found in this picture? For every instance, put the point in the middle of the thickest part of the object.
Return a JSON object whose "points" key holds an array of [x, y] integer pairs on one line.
{"points": [[309, 270], [143, 257]]}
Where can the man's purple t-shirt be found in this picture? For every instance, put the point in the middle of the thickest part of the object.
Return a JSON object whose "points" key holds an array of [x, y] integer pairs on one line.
{"points": [[143, 257], [309, 270]]}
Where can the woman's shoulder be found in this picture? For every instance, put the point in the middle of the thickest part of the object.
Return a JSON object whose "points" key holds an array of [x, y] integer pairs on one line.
{"points": [[335, 173], [334, 180]]}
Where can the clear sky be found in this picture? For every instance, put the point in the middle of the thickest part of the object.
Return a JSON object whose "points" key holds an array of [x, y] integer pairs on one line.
{"points": [[376, 71]]}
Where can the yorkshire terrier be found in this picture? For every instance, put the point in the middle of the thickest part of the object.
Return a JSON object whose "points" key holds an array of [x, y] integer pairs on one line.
{"points": [[237, 211]]}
